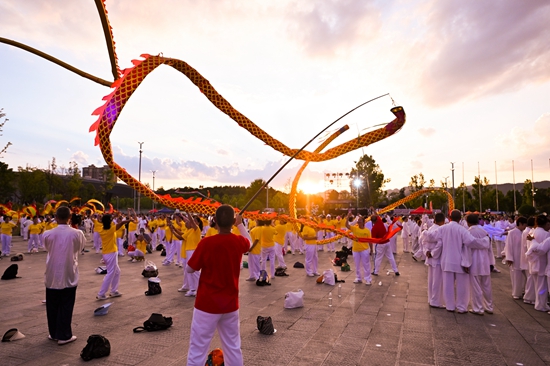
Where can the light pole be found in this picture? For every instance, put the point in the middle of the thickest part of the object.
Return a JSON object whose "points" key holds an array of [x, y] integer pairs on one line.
{"points": [[453, 174], [357, 184], [266, 196], [153, 171], [139, 177], [446, 187]]}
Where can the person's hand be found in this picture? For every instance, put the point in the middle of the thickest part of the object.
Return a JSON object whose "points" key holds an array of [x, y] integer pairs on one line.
{"points": [[530, 237], [429, 254], [238, 219], [509, 263], [466, 269]]}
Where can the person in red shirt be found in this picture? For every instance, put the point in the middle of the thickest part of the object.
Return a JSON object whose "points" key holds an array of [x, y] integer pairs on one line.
{"points": [[379, 230], [218, 257]]}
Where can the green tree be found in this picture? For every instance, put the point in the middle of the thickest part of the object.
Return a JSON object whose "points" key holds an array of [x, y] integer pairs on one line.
{"points": [[33, 185], [417, 183], [371, 181], [527, 192], [3, 121], [6, 182]]}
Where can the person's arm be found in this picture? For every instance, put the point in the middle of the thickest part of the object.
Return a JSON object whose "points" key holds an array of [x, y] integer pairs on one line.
{"points": [[190, 220], [254, 245], [242, 230], [123, 222]]}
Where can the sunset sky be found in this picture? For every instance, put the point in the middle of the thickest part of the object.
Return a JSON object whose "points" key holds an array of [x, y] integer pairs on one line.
{"points": [[473, 77]]}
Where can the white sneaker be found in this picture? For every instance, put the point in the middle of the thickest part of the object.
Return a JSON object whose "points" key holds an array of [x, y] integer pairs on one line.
{"points": [[310, 275], [115, 294], [316, 273], [368, 283], [357, 281], [191, 293], [183, 289], [72, 339]]}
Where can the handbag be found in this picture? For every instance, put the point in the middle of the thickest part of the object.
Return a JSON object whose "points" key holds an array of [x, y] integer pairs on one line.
{"points": [[153, 287], [96, 347], [150, 269], [294, 299], [265, 325], [154, 323], [328, 277]]}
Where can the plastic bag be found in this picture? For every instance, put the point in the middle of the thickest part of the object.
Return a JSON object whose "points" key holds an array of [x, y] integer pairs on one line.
{"points": [[294, 299], [328, 277]]}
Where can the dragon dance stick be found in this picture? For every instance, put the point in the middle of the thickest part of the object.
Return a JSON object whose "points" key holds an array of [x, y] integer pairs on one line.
{"points": [[303, 147]]}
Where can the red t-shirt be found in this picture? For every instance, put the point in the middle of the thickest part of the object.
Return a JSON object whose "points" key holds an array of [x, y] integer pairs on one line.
{"points": [[218, 257], [379, 230]]}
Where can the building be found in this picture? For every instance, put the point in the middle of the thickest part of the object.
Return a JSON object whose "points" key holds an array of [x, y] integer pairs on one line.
{"points": [[98, 173]]}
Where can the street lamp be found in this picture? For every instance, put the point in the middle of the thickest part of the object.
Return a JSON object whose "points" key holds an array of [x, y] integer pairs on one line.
{"points": [[139, 176], [357, 184], [153, 171]]}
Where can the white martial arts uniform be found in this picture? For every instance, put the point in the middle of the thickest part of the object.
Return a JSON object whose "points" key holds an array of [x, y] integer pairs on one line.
{"points": [[381, 251], [480, 272], [530, 285], [512, 250], [539, 267], [406, 236], [435, 275]]}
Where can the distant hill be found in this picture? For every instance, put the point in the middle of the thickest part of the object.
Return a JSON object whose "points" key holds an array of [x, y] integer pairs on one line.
{"points": [[504, 188]]}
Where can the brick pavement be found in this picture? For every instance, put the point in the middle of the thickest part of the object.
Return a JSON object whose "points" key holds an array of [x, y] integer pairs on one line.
{"points": [[389, 324]]}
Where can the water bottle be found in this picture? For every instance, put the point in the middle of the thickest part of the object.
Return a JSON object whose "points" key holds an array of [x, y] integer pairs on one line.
{"points": [[339, 290], [330, 299]]}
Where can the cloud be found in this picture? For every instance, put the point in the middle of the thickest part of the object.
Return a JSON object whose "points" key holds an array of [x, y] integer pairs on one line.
{"points": [[323, 28], [478, 48], [529, 142], [426, 132], [80, 157], [222, 152], [416, 165]]}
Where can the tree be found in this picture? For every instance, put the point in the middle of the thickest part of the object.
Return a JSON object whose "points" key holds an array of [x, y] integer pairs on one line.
{"points": [[370, 179], [417, 183], [32, 184], [527, 192], [2, 123], [6, 182]]}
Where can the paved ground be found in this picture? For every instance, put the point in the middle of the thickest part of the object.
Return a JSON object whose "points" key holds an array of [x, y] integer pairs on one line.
{"points": [[388, 324]]}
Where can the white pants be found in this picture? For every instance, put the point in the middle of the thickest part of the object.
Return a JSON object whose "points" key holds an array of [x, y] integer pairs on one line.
{"points": [[112, 278], [34, 242], [518, 282], [254, 265], [362, 259], [530, 287], [381, 251], [299, 245], [136, 253], [312, 259], [120, 244], [279, 254], [393, 244], [331, 246], [406, 244], [462, 298], [499, 246], [203, 327], [541, 293], [435, 285], [482, 294], [6, 244], [25, 233], [268, 252], [190, 279], [97, 241]]}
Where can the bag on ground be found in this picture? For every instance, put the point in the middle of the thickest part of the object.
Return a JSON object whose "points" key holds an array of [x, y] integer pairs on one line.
{"points": [[263, 280], [96, 347], [11, 272], [265, 325], [298, 265], [280, 271], [150, 269], [154, 323], [17, 258], [153, 287], [346, 267], [215, 358], [328, 277], [294, 299]]}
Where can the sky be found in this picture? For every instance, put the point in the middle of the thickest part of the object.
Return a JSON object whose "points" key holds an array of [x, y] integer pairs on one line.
{"points": [[472, 76]]}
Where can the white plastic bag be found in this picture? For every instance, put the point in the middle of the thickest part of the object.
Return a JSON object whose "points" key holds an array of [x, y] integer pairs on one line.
{"points": [[149, 265], [328, 277], [294, 299]]}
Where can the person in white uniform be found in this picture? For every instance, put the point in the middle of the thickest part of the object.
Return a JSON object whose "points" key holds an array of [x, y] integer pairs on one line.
{"points": [[512, 252], [432, 250], [480, 269], [529, 296]]}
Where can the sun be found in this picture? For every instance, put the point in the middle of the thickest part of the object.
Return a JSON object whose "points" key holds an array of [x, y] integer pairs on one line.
{"points": [[309, 187]]}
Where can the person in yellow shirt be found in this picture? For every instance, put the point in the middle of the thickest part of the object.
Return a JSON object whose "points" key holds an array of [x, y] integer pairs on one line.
{"points": [[191, 239], [98, 227], [213, 229], [268, 247], [254, 253], [161, 232], [35, 229], [152, 227], [110, 257], [281, 229], [6, 228], [120, 233], [141, 248], [361, 250], [309, 235]]}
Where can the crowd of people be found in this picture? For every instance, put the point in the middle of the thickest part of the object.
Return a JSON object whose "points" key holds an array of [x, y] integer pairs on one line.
{"points": [[459, 253]]}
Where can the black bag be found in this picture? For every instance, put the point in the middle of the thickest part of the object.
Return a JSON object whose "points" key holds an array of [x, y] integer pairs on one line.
{"points": [[154, 288], [263, 280], [163, 253], [159, 247], [154, 323], [125, 244], [150, 273], [280, 271], [298, 265], [11, 272], [265, 325], [97, 346], [17, 258]]}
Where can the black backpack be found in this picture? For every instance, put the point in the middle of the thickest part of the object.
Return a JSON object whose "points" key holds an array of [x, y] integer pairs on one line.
{"points": [[97, 346], [154, 323], [153, 288], [11, 272], [265, 325], [280, 271], [263, 280]]}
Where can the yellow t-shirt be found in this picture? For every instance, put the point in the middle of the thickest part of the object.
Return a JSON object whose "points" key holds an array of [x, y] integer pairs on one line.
{"points": [[360, 233], [161, 223], [211, 231], [251, 224], [120, 232], [281, 232], [309, 231], [132, 226], [108, 240], [268, 236], [49, 225], [235, 230], [35, 229], [141, 245], [98, 226], [191, 239], [256, 234], [7, 227]]}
